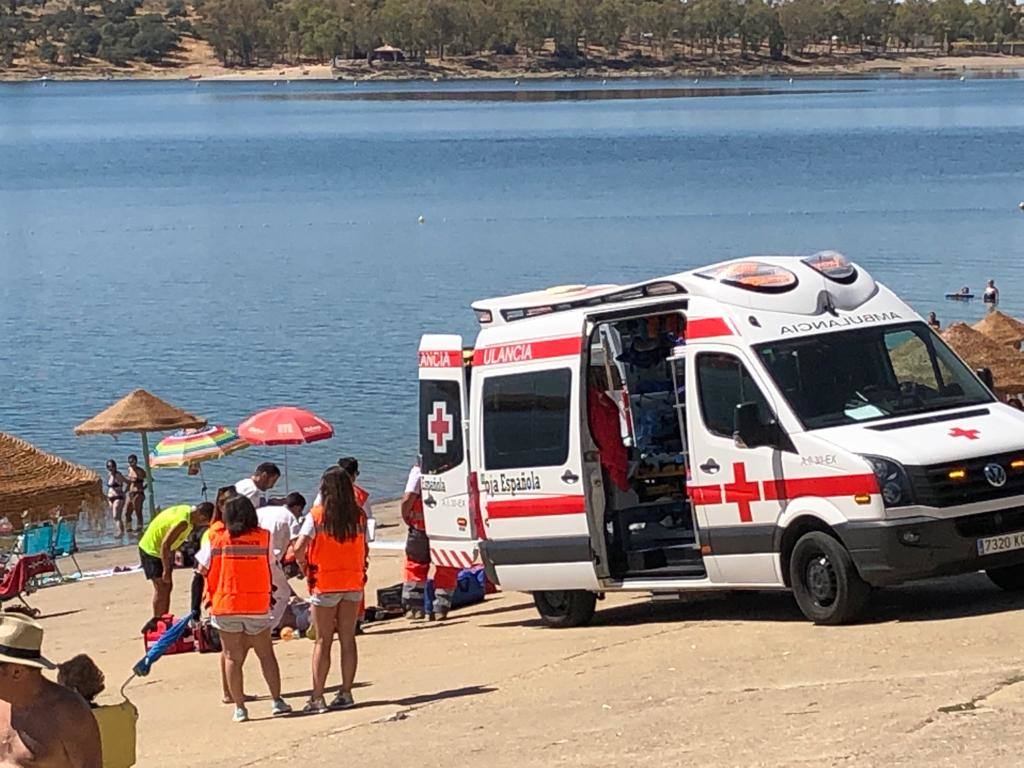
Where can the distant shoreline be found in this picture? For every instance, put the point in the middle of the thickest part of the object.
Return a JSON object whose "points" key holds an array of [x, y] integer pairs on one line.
{"points": [[851, 66]]}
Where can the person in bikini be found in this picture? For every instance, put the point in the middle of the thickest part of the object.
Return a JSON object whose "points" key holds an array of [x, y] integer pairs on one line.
{"points": [[42, 724], [116, 486], [136, 493]]}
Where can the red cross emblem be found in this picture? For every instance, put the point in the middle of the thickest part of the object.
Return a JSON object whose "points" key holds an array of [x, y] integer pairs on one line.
{"points": [[970, 434], [440, 427], [742, 491]]}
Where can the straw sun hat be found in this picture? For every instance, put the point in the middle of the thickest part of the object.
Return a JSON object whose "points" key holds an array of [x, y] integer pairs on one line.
{"points": [[21, 641]]}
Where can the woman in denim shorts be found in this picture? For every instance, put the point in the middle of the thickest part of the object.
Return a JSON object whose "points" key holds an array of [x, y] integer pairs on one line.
{"points": [[332, 552]]}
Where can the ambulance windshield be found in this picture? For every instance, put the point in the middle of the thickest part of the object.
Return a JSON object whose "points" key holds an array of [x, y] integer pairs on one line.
{"points": [[866, 374]]}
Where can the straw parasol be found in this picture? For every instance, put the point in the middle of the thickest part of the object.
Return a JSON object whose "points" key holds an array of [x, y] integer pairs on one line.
{"points": [[1001, 328], [36, 482], [140, 412]]}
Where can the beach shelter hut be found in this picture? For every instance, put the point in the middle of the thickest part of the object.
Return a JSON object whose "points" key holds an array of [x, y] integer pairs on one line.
{"points": [[388, 54], [1001, 328], [140, 412], [36, 482]]}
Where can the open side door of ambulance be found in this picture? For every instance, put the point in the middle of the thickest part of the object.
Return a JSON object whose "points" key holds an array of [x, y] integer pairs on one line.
{"points": [[444, 456], [526, 408]]}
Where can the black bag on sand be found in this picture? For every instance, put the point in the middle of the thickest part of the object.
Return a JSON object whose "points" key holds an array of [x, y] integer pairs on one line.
{"points": [[389, 601]]}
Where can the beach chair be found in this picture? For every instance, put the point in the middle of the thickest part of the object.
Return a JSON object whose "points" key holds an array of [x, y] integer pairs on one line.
{"points": [[19, 579], [36, 539], [65, 544]]}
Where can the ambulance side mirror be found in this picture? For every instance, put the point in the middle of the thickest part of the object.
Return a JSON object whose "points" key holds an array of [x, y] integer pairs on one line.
{"points": [[749, 430], [985, 374]]}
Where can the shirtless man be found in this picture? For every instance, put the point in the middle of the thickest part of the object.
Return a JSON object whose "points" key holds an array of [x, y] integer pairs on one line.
{"points": [[42, 724]]}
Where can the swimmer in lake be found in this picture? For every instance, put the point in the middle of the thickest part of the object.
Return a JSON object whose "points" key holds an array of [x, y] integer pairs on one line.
{"points": [[991, 293]]}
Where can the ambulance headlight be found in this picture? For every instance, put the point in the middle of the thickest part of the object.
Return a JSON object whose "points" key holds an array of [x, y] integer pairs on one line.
{"points": [[893, 482]]}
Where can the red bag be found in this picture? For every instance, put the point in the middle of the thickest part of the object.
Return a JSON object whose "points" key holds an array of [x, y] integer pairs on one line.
{"points": [[207, 638], [155, 630]]}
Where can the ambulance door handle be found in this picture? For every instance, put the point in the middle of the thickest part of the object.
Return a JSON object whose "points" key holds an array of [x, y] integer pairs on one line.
{"points": [[569, 477], [710, 466]]}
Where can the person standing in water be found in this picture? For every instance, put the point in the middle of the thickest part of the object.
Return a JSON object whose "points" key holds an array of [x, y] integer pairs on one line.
{"points": [[116, 486], [332, 552], [136, 493], [991, 295], [933, 322]]}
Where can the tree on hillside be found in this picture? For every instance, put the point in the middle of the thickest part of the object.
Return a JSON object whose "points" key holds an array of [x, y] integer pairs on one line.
{"points": [[754, 25], [803, 22], [911, 21], [950, 21]]}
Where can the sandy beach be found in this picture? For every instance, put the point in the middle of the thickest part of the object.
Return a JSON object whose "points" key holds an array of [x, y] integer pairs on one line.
{"points": [[927, 678]]}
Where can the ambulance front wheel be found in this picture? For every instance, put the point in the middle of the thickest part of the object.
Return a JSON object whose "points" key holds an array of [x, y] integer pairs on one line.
{"points": [[565, 608], [825, 581], [1009, 578]]}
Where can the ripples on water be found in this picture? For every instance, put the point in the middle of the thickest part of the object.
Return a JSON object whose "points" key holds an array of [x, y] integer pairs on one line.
{"points": [[231, 252]]}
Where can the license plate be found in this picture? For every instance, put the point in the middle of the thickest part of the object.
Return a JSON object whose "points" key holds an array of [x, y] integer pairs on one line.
{"points": [[1005, 543]]}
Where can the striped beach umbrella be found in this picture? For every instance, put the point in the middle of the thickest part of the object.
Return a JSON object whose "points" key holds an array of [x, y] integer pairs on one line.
{"points": [[192, 446]]}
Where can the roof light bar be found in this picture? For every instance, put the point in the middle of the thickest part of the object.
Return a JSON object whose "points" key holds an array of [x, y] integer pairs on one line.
{"points": [[659, 288], [832, 265], [754, 276]]}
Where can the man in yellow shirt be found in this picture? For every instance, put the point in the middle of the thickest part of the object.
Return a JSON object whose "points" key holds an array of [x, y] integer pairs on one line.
{"points": [[165, 533]]}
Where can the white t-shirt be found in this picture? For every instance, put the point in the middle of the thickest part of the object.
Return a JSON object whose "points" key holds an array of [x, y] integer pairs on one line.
{"points": [[283, 527], [412, 485], [248, 489]]}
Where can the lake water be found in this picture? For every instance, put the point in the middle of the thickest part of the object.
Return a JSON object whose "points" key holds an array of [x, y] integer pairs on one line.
{"points": [[237, 246]]}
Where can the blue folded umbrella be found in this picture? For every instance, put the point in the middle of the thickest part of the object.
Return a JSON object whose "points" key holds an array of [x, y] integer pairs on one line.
{"points": [[159, 648]]}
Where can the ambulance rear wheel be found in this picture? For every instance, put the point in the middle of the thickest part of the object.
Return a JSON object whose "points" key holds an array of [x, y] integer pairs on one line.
{"points": [[565, 608], [825, 581]]}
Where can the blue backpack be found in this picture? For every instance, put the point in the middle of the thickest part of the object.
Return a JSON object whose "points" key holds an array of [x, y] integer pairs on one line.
{"points": [[469, 589]]}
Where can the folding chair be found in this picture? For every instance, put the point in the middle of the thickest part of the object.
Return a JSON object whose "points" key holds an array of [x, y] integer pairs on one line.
{"points": [[65, 544], [19, 578], [36, 539]]}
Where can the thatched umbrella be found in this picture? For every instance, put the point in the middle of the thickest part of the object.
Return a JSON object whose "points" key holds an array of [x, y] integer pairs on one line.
{"points": [[140, 412], [980, 351], [36, 482], [1001, 328]]}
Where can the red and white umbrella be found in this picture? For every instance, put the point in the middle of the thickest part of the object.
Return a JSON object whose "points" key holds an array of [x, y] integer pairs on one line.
{"points": [[285, 426]]}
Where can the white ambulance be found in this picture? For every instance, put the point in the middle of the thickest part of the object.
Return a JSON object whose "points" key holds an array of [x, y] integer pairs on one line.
{"points": [[766, 423]]}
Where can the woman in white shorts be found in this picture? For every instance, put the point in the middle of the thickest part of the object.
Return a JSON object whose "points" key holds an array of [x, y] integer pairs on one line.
{"points": [[237, 569], [332, 552]]}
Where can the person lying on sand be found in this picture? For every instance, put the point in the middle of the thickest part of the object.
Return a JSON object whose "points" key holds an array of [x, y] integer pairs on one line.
{"points": [[42, 724]]}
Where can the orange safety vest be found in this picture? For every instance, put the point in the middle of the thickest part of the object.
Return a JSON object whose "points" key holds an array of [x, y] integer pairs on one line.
{"points": [[333, 565], [361, 496], [239, 579]]}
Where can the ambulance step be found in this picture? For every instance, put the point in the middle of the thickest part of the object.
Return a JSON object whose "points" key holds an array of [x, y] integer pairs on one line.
{"points": [[692, 571]]}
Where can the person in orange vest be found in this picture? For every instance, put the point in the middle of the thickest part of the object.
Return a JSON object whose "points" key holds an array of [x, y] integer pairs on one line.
{"points": [[332, 552], [417, 559], [239, 590]]}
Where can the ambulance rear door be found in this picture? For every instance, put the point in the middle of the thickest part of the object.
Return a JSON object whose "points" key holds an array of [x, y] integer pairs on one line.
{"points": [[527, 410], [444, 458]]}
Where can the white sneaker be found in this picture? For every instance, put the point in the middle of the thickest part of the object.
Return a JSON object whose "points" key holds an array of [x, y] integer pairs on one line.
{"points": [[343, 700], [281, 707], [241, 715], [315, 707]]}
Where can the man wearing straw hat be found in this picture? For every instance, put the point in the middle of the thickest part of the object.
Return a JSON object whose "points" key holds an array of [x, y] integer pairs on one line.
{"points": [[42, 724]]}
